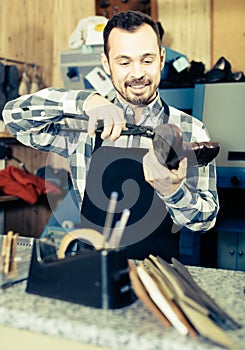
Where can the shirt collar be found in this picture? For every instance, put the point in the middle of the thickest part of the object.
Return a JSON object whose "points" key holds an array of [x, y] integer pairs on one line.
{"points": [[151, 110]]}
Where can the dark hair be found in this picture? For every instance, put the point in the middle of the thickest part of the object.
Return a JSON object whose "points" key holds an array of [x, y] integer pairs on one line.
{"points": [[129, 21]]}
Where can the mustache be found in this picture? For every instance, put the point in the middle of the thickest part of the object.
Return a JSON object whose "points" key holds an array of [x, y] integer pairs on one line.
{"points": [[138, 82]]}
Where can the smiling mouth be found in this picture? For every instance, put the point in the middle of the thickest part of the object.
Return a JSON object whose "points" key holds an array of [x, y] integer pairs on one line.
{"points": [[137, 83], [138, 86]]}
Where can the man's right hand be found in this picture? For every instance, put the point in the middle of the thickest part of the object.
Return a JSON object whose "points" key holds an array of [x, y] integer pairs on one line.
{"points": [[99, 108]]}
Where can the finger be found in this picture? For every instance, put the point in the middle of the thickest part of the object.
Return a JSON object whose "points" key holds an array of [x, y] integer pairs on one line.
{"points": [[178, 175], [116, 131], [106, 131], [181, 171], [92, 124], [113, 130], [147, 172], [183, 164], [113, 127]]}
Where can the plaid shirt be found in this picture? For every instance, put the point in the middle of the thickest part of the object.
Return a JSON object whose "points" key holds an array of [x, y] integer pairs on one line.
{"points": [[38, 121]]}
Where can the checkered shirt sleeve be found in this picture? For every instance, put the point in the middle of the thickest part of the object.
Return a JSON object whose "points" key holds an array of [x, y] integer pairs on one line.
{"points": [[195, 203], [38, 121]]}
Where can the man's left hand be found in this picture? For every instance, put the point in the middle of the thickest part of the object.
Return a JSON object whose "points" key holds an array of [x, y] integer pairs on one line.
{"points": [[162, 179]]}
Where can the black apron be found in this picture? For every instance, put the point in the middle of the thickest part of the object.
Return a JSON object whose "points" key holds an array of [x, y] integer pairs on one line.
{"points": [[149, 228]]}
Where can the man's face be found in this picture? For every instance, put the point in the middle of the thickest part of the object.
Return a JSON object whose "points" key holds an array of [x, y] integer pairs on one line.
{"points": [[134, 64]]}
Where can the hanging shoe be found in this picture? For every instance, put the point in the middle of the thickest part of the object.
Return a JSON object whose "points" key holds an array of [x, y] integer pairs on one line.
{"points": [[221, 72], [24, 86], [11, 82], [35, 81], [34, 85], [2, 93]]}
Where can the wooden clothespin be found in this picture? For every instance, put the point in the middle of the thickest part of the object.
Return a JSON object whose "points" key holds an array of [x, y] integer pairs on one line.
{"points": [[8, 251]]}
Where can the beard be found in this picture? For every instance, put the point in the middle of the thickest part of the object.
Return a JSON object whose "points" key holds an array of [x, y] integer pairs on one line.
{"points": [[137, 98]]}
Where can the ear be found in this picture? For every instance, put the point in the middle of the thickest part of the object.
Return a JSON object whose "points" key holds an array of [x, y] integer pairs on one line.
{"points": [[105, 63], [162, 57]]}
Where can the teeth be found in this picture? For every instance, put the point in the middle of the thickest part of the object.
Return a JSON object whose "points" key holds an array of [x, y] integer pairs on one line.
{"points": [[138, 86]]}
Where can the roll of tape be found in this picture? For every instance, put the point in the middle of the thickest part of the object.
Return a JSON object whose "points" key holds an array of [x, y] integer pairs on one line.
{"points": [[95, 238]]}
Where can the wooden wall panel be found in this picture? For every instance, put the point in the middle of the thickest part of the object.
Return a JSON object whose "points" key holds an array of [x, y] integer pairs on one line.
{"points": [[228, 32], [187, 27], [33, 159], [36, 31], [26, 33]]}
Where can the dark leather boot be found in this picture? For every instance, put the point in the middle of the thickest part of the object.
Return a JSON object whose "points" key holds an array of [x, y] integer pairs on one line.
{"points": [[11, 82], [170, 148]]}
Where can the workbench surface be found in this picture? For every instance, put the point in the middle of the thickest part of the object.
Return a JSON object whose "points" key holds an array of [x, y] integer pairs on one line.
{"points": [[129, 328]]}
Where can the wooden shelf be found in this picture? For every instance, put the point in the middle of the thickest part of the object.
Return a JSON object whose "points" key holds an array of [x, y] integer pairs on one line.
{"points": [[119, 6], [5, 135], [5, 198]]}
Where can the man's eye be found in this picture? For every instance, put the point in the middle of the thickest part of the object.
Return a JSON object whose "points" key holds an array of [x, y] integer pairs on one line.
{"points": [[148, 60], [123, 63]]}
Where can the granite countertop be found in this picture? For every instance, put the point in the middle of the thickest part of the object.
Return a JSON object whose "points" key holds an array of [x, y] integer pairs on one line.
{"points": [[127, 328]]}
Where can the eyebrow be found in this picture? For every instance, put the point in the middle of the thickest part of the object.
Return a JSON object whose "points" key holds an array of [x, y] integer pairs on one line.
{"points": [[150, 54]]}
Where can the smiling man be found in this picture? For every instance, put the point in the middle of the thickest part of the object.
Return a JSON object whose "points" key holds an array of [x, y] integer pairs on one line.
{"points": [[134, 58]]}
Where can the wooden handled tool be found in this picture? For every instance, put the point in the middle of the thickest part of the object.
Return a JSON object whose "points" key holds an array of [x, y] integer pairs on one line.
{"points": [[8, 251]]}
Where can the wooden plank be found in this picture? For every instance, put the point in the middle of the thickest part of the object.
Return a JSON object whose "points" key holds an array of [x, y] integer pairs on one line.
{"points": [[228, 33], [187, 27], [6, 198], [33, 159], [35, 31], [28, 220]]}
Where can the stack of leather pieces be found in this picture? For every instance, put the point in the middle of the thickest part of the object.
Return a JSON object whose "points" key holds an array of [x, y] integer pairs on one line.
{"points": [[172, 295]]}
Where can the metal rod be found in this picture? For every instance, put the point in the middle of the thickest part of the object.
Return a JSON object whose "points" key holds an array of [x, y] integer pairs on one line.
{"points": [[18, 61], [119, 229], [109, 215]]}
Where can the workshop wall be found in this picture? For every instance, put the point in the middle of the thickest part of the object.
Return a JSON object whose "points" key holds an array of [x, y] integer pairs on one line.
{"points": [[228, 32], [36, 31], [187, 27]]}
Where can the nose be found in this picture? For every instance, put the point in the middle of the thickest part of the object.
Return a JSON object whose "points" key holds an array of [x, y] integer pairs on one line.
{"points": [[137, 70]]}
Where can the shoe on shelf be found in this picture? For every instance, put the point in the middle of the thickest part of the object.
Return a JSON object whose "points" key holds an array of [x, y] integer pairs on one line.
{"points": [[238, 77], [174, 78], [221, 72], [196, 72]]}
